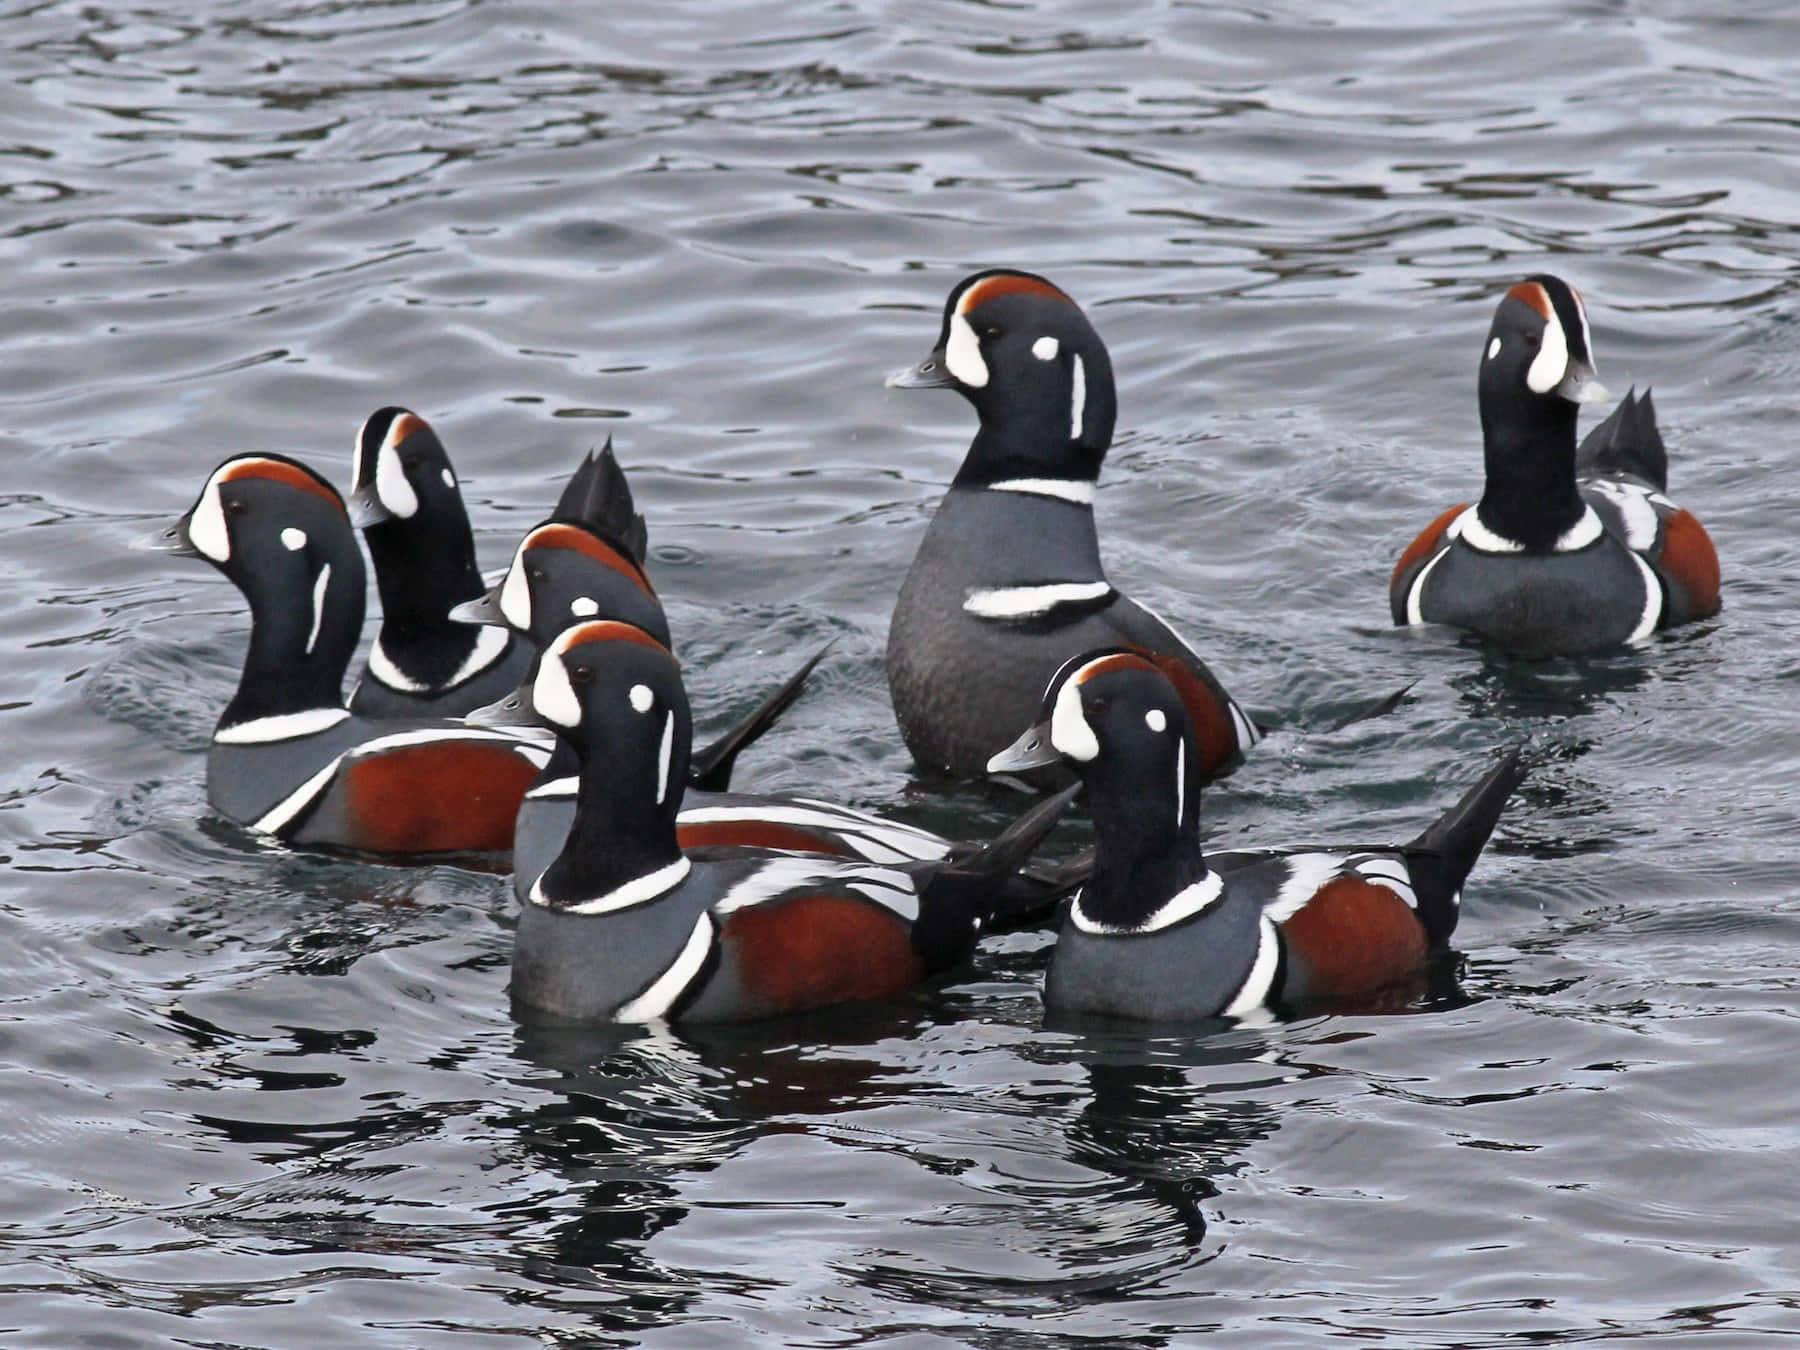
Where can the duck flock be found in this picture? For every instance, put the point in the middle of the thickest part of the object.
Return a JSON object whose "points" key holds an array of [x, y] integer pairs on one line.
{"points": [[546, 717]]}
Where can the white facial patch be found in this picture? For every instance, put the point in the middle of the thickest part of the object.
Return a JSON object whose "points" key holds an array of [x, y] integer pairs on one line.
{"points": [[515, 596], [552, 694], [1077, 397], [584, 606], [962, 354], [1156, 720], [1493, 349], [641, 698], [206, 526], [293, 540], [1069, 729], [1046, 348], [390, 482], [321, 584], [1552, 361]]}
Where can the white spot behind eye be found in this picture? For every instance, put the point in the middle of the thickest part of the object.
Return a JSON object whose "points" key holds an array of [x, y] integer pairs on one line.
{"points": [[293, 540], [641, 699], [449, 478], [1046, 348], [1493, 349], [1552, 361], [1156, 720], [962, 354], [584, 606]]}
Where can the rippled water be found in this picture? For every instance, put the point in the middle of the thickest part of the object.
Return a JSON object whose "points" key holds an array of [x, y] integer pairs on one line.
{"points": [[263, 1099]]}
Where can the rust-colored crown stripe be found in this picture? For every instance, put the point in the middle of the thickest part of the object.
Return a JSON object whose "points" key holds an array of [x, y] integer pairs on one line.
{"points": [[1007, 284], [1105, 665], [281, 472], [589, 546], [405, 425], [1533, 294], [607, 630]]}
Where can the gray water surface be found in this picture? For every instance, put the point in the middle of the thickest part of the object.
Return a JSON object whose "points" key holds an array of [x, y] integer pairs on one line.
{"points": [[263, 1099]]}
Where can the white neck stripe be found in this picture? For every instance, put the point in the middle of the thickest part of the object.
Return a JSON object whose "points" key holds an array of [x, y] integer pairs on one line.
{"points": [[320, 584], [1076, 490], [637, 891], [1020, 602], [1184, 904], [281, 727], [1470, 528]]}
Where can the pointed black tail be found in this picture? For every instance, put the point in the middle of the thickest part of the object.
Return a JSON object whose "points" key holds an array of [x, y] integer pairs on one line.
{"points": [[597, 495], [710, 768], [1443, 856], [1627, 442]]}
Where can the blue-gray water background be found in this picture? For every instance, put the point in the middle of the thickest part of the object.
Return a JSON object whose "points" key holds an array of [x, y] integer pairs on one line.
{"points": [[260, 1099]]}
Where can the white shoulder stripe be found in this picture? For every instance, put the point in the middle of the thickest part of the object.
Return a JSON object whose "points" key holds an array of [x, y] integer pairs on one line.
{"points": [[282, 815], [654, 1003], [1020, 602], [1653, 602], [1415, 595], [1259, 982], [1306, 873]]}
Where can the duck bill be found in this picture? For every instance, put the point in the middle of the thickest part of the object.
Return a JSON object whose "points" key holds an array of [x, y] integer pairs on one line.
{"points": [[931, 373], [513, 710], [171, 539], [1031, 751], [484, 609], [366, 509], [1581, 384]]}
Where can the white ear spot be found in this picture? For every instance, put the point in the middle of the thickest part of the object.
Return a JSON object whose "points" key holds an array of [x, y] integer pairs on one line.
{"points": [[552, 694], [293, 540], [1046, 348], [1070, 733], [390, 483], [515, 596], [1493, 349], [1552, 361], [962, 354], [449, 478], [641, 698], [1156, 720], [584, 606]]}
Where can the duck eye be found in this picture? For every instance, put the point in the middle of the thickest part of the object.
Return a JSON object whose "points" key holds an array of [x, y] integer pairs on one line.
{"points": [[580, 674], [993, 331], [535, 575], [1533, 340], [236, 505]]}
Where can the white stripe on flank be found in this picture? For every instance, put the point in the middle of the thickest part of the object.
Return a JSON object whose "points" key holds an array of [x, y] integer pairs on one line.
{"points": [[1076, 490], [1257, 985], [1023, 602], [320, 585], [281, 727], [1307, 872], [654, 1003], [1184, 904], [637, 891]]}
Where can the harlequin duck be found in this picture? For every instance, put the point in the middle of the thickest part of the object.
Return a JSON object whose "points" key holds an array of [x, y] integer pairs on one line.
{"points": [[1007, 584], [1163, 931], [288, 758], [627, 926], [565, 571], [422, 664], [1566, 552]]}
